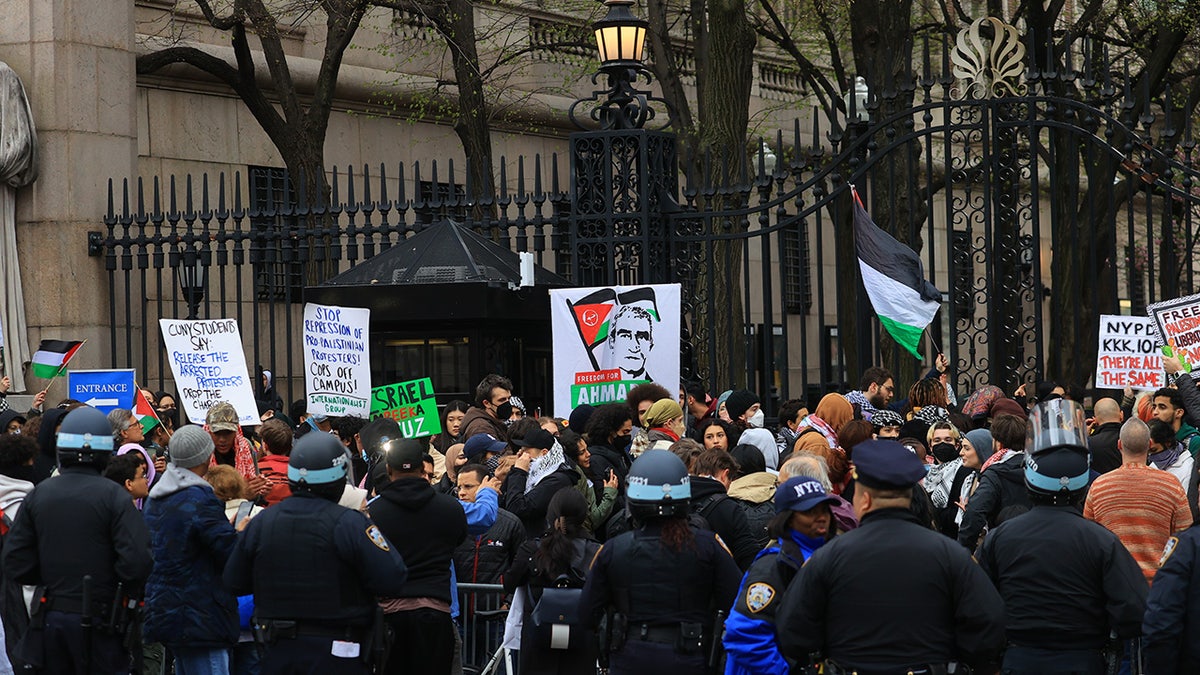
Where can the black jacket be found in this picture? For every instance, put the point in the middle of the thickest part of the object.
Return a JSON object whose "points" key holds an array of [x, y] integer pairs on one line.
{"points": [[604, 457], [425, 527], [531, 507], [1002, 485], [483, 559], [726, 518], [868, 600], [1066, 581], [74, 524], [1171, 631], [1103, 444]]}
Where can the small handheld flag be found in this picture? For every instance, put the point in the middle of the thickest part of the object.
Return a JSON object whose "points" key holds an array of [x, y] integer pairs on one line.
{"points": [[894, 278], [52, 357], [144, 411]]}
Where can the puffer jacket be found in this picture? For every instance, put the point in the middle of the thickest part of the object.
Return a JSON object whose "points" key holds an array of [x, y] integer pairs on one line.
{"points": [[483, 559], [187, 604]]}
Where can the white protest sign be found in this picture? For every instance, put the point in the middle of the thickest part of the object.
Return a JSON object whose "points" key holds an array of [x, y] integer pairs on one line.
{"points": [[610, 339], [1128, 354], [1178, 324], [209, 366], [337, 360]]}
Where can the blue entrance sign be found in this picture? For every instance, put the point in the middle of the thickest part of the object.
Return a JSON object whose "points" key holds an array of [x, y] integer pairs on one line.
{"points": [[105, 390]]}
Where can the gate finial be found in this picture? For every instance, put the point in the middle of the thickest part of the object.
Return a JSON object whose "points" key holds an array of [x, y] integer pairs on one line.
{"points": [[984, 70]]}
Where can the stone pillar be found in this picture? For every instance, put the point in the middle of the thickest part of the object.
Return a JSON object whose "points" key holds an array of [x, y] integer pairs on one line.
{"points": [[76, 60]]}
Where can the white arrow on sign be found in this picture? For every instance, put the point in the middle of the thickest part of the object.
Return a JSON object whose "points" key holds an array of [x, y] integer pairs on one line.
{"points": [[106, 402]]}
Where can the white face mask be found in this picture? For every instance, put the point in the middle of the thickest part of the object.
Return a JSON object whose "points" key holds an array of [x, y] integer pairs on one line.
{"points": [[757, 419]]}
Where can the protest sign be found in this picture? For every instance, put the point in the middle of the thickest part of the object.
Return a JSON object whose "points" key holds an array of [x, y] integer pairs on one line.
{"points": [[209, 366], [1128, 354], [608, 340], [412, 404], [1178, 324], [337, 360]]}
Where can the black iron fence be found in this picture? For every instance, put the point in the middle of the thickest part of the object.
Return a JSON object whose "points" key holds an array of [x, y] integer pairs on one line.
{"points": [[1036, 206]]}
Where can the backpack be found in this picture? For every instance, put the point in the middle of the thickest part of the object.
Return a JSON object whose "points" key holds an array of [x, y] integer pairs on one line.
{"points": [[555, 620], [759, 516]]}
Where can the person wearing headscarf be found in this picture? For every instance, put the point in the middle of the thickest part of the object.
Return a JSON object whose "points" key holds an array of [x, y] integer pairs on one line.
{"points": [[819, 430], [979, 404], [46, 460], [267, 397], [664, 425]]}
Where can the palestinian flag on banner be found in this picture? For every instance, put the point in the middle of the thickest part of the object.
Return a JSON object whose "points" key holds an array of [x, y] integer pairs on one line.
{"points": [[593, 314], [144, 412], [52, 356], [895, 280]]}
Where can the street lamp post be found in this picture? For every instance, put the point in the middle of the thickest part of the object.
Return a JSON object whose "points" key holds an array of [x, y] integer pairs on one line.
{"points": [[193, 281], [858, 121], [623, 175]]}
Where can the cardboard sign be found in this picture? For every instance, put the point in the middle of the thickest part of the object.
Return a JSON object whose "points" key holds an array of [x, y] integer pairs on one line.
{"points": [[608, 340], [1178, 325], [104, 390], [209, 367], [337, 360], [412, 404], [1128, 354]]}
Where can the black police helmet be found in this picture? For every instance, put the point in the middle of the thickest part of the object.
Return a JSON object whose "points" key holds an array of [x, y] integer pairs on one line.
{"points": [[317, 459], [1056, 452], [658, 486], [85, 437]]}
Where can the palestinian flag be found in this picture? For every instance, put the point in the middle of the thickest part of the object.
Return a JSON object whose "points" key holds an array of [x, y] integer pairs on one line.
{"points": [[52, 356], [144, 412], [895, 280]]}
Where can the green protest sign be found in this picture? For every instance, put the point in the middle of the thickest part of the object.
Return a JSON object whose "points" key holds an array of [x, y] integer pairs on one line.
{"points": [[411, 404]]}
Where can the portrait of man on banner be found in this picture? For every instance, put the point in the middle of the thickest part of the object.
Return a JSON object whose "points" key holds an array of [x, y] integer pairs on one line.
{"points": [[617, 329]]}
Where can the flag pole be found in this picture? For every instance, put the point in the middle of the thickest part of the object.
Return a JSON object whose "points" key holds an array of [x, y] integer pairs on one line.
{"points": [[933, 343], [63, 367]]}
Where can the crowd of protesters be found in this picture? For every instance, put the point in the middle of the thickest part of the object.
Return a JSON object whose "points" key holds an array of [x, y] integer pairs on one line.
{"points": [[543, 507]]}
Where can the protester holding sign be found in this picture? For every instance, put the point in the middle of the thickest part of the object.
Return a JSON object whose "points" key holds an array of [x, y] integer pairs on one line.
{"points": [[337, 360], [209, 366]]}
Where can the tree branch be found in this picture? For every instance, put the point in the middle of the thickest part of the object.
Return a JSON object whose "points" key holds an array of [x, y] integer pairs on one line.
{"points": [[267, 30], [220, 22]]}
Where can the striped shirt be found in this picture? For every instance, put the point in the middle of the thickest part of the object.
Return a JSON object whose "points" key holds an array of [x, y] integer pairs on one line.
{"points": [[1143, 506]]}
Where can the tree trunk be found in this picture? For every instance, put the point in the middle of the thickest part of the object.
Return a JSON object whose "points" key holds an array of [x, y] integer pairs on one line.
{"points": [[472, 123], [724, 106]]}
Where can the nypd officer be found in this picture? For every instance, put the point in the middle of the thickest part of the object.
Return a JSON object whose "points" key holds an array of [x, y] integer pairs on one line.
{"points": [[800, 526], [1067, 582], [79, 535], [666, 580], [1171, 628], [890, 596], [315, 569]]}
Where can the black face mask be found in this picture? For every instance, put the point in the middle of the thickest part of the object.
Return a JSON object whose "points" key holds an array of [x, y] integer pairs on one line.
{"points": [[622, 441], [504, 411], [945, 452]]}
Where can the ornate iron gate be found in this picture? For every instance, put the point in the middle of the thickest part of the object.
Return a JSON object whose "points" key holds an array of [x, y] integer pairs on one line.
{"points": [[995, 173]]}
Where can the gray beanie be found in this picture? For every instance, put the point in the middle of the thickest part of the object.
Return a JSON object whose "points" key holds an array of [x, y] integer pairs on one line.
{"points": [[190, 447]]}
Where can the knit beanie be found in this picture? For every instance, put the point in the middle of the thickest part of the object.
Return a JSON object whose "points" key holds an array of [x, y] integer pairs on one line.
{"points": [[190, 447], [739, 402]]}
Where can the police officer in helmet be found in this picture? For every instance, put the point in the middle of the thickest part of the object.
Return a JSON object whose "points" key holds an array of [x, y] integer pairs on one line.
{"points": [[892, 595], [1067, 582], [315, 569], [79, 535], [666, 580]]}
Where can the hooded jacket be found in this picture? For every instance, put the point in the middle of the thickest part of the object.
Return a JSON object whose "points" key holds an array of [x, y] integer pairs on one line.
{"points": [[187, 604], [46, 460], [1103, 444], [755, 493], [725, 517], [531, 506], [425, 527], [1002, 485], [764, 440], [479, 421]]}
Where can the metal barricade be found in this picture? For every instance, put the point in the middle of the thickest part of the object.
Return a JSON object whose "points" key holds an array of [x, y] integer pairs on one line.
{"points": [[482, 612]]}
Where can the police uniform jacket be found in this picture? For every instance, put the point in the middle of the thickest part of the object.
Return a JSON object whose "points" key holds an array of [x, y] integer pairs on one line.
{"points": [[74, 524], [654, 585], [750, 644], [888, 595], [1066, 581], [308, 559], [1171, 631]]}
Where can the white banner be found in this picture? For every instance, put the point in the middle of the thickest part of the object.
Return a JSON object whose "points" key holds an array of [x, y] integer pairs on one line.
{"points": [[337, 360], [209, 366], [609, 339], [1128, 354]]}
